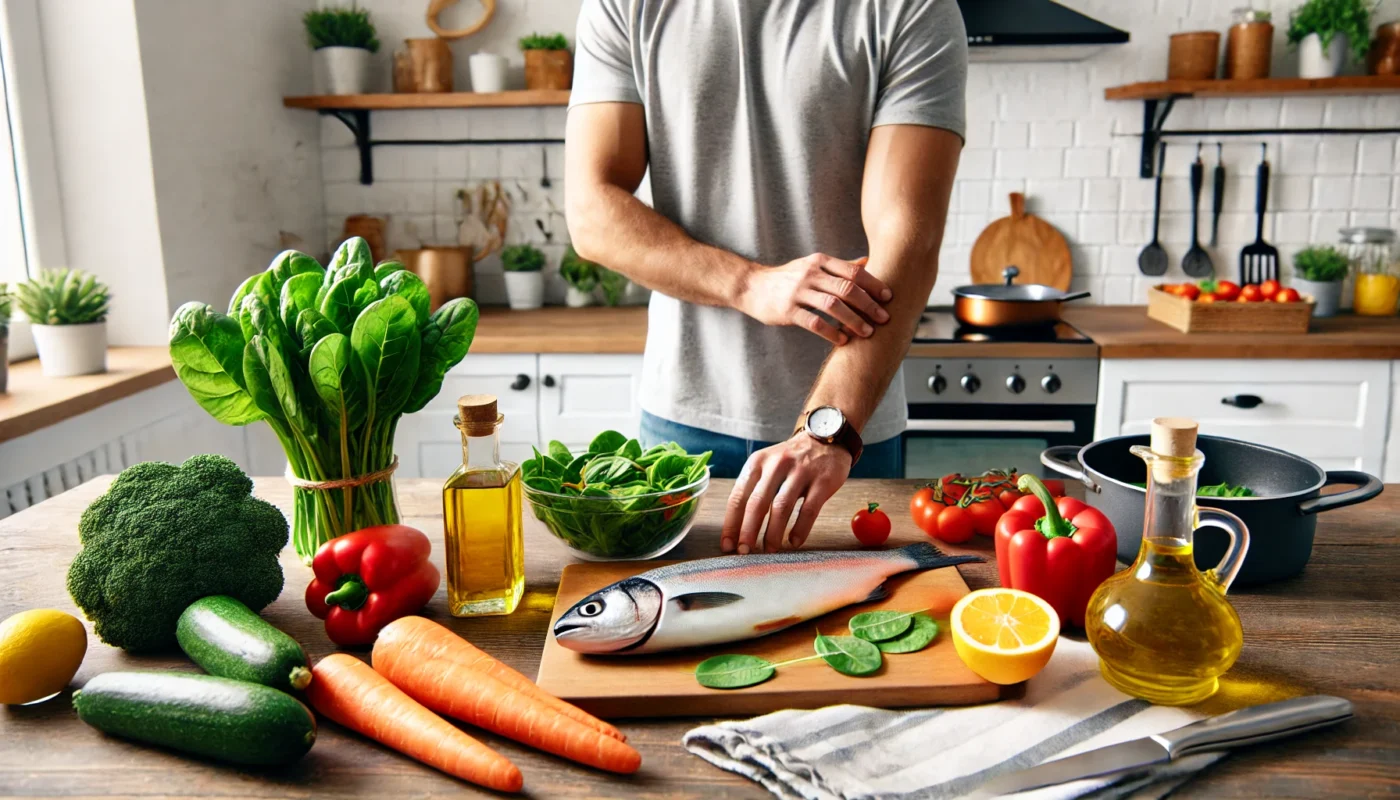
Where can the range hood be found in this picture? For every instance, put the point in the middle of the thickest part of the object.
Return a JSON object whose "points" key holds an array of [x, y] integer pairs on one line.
{"points": [[1033, 30]]}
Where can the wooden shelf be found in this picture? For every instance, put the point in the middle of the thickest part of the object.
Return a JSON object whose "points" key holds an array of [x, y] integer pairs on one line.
{"points": [[387, 102], [1264, 87], [36, 402]]}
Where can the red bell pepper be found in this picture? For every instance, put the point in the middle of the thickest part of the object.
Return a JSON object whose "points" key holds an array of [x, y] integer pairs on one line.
{"points": [[369, 578], [1059, 550]]}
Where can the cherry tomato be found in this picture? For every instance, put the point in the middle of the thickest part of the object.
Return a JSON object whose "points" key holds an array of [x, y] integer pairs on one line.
{"points": [[1269, 289], [1249, 293], [984, 514], [1207, 297], [1190, 291], [924, 509], [1172, 288], [1055, 487], [871, 525], [952, 492], [1226, 291], [1008, 497], [955, 525], [1287, 295]]}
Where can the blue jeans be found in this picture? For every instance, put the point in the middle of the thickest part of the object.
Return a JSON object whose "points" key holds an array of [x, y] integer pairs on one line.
{"points": [[878, 460]]}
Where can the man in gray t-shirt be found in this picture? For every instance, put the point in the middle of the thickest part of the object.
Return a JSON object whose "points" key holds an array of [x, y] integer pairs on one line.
{"points": [[786, 141]]}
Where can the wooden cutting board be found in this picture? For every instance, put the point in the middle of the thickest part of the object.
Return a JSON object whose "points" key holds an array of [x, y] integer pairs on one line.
{"points": [[1026, 242], [664, 685]]}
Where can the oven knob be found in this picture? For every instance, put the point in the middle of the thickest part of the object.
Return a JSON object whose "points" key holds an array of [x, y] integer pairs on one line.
{"points": [[1015, 384], [937, 383], [971, 383], [1050, 383]]}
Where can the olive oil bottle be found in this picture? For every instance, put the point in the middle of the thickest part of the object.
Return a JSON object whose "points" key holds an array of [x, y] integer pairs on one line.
{"points": [[1162, 629], [481, 514]]}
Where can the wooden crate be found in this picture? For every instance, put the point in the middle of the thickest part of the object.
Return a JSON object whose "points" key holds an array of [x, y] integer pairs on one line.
{"points": [[1190, 316]]}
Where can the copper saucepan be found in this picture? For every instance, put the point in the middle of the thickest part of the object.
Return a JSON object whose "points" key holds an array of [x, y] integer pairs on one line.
{"points": [[1009, 305]]}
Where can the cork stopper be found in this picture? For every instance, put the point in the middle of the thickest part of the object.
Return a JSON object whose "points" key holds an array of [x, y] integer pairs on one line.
{"points": [[1174, 436], [477, 415]]}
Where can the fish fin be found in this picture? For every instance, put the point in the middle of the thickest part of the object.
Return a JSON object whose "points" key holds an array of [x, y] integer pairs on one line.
{"points": [[926, 556], [878, 593], [700, 601]]}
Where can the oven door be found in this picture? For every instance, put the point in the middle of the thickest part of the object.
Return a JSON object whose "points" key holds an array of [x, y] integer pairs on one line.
{"points": [[975, 437]]}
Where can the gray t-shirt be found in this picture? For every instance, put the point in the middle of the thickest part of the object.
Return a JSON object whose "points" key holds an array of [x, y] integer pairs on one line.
{"points": [[758, 114]]}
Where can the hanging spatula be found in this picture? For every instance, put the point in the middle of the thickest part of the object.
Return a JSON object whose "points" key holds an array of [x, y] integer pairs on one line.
{"points": [[1259, 261], [1197, 261], [1153, 258]]}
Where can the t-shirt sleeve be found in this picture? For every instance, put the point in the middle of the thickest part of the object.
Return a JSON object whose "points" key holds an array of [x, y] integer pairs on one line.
{"points": [[923, 77], [603, 55]]}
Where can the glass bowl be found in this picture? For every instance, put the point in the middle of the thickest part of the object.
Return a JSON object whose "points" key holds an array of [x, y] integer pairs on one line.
{"points": [[626, 528]]}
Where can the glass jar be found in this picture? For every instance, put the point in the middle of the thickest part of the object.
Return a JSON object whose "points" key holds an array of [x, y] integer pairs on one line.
{"points": [[1375, 266], [1249, 47]]}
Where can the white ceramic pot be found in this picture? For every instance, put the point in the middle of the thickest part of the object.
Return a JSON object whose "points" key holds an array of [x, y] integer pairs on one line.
{"points": [[68, 350], [488, 72], [342, 70], [1316, 62], [576, 298], [1328, 295], [525, 290]]}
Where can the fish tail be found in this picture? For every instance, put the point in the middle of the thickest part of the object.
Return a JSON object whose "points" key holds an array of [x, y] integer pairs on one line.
{"points": [[929, 557]]}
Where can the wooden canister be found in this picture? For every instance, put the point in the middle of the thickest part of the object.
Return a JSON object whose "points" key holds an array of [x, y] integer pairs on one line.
{"points": [[369, 228], [1384, 57], [1249, 50], [430, 63], [1193, 56], [549, 69], [447, 271]]}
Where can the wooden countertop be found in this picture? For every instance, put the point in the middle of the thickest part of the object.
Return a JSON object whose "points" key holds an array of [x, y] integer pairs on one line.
{"points": [[555, 329], [35, 402], [1327, 630]]}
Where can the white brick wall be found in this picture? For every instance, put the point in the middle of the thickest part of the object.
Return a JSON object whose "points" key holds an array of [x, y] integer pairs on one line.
{"points": [[1044, 129]]}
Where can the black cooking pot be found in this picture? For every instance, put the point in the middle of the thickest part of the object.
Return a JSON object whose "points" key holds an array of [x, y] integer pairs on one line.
{"points": [[1280, 519]]}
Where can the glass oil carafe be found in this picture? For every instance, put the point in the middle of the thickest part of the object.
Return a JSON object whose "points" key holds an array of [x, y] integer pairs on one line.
{"points": [[481, 514], [1163, 630]]}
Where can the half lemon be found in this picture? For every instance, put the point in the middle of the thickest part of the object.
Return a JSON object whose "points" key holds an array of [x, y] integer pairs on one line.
{"points": [[1004, 635]]}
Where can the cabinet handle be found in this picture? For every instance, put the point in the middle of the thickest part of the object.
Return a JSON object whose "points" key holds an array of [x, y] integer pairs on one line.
{"points": [[1243, 401], [521, 382], [548, 381]]}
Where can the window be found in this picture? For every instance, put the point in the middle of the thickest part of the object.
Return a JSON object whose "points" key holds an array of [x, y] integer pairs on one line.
{"points": [[13, 259]]}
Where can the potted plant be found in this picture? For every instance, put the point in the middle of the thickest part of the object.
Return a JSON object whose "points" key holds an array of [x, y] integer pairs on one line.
{"points": [[6, 302], [524, 282], [548, 62], [344, 39], [582, 277], [614, 286], [67, 310], [1319, 271], [1322, 30]]}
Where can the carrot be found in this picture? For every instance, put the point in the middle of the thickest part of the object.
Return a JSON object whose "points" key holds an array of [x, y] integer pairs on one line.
{"points": [[427, 639], [453, 688], [347, 691]]}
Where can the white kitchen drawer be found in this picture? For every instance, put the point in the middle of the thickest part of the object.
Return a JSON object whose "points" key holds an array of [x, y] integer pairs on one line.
{"points": [[1333, 412], [581, 395]]}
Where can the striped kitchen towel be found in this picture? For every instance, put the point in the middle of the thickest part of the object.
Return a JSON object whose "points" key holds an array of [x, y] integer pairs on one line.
{"points": [[850, 752]]}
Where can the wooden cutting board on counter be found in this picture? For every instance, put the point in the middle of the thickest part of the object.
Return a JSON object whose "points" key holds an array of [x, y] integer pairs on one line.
{"points": [[664, 685], [1026, 242]]}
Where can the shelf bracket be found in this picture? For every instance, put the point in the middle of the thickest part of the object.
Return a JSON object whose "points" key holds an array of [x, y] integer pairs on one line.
{"points": [[357, 120], [1152, 121]]}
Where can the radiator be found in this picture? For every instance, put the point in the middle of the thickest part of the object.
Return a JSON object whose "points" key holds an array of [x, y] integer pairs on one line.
{"points": [[112, 457]]}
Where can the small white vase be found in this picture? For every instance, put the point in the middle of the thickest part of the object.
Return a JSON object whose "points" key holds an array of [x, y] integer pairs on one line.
{"points": [[577, 298], [1315, 62], [68, 350], [525, 290], [342, 70], [488, 72]]}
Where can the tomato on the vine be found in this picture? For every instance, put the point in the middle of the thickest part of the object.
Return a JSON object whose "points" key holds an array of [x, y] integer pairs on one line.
{"points": [[1007, 497], [924, 508], [955, 525], [1055, 487], [871, 525], [984, 514]]}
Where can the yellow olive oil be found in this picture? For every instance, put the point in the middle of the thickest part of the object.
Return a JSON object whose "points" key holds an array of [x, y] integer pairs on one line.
{"points": [[482, 519]]}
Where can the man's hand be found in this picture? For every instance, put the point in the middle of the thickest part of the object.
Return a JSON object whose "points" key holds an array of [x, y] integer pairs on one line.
{"points": [[773, 482], [791, 294]]}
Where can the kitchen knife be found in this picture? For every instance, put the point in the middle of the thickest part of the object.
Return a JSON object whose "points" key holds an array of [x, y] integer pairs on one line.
{"points": [[1235, 729]]}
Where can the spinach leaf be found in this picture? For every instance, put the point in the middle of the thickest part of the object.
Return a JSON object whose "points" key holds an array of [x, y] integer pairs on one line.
{"points": [[206, 349], [559, 452], [877, 626], [312, 327], [923, 631], [411, 288], [607, 442], [259, 380], [849, 655], [366, 294], [329, 365], [338, 305], [298, 295], [733, 671], [243, 290], [612, 469], [384, 269], [444, 341], [287, 265], [631, 450], [386, 345], [668, 466]]}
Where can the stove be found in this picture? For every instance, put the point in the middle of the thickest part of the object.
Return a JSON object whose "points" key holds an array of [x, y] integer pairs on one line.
{"points": [[941, 327]]}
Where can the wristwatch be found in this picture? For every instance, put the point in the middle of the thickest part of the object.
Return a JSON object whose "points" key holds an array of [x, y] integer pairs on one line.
{"points": [[828, 425]]}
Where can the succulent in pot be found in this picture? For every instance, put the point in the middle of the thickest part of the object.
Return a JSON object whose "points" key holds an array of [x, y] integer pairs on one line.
{"points": [[67, 310], [524, 281], [6, 303], [1323, 31], [344, 39], [548, 62], [582, 277], [1319, 272]]}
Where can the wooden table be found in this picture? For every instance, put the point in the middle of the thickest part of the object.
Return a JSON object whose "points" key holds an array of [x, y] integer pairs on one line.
{"points": [[1334, 630]]}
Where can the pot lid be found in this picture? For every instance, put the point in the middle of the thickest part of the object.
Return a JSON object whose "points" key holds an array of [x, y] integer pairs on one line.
{"points": [[1017, 292]]}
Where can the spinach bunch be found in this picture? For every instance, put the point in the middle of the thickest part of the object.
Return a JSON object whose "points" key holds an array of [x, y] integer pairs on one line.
{"points": [[329, 358], [616, 500]]}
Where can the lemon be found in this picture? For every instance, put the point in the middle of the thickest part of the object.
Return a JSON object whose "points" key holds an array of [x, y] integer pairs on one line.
{"points": [[1004, 635], [40, 651]]}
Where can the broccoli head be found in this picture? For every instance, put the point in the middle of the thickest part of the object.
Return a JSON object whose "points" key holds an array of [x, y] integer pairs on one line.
{"points": [[164, 536]]}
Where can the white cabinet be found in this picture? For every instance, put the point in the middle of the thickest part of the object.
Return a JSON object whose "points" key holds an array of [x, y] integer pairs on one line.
{"points": [[581, 395], [1334, 413], [1392, 447]]}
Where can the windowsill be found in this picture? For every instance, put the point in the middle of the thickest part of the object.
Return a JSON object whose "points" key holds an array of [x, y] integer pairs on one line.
{"points": [[34, 402]]}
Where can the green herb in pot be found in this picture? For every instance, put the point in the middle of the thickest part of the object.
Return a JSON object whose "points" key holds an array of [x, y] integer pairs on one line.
{"points": [[1320, 264], [1328, 18], [537, 41], [578, 271], [340, 27], [522, 258]]}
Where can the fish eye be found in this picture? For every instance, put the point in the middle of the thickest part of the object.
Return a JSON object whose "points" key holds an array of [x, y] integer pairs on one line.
{"points": [[591, 609]]}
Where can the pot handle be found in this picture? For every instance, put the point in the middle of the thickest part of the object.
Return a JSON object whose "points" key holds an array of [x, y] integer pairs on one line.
{"points": [[1368, 486], [1224, 573], [1064, 459]]}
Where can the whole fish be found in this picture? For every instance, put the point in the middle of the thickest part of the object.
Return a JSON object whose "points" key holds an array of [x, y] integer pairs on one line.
{"points": [[713, 600]]}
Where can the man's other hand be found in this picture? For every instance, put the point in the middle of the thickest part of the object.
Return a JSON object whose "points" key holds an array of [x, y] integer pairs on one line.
{"points": [[773, 483], [798, 291]]}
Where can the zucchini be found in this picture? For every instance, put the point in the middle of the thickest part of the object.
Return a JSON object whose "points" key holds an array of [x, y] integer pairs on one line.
{"points": [[218, 718], [225, 638]]}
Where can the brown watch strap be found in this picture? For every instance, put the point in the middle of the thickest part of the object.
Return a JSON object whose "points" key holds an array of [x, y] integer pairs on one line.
{"points": [[847, 437]]}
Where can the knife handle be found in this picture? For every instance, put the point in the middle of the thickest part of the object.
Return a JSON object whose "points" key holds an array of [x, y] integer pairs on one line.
{"points": [[1256, 724]]}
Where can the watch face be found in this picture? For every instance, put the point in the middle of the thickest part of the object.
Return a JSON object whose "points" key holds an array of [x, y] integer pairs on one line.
{"points": [[825, 422]]}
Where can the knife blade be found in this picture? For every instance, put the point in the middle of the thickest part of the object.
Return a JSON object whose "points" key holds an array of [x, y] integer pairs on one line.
{"points": [[1238, 728]]}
